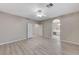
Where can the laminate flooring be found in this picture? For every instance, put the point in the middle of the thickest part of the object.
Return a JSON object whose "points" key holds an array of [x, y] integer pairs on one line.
{"points": [[34, 46], [69, 49]]}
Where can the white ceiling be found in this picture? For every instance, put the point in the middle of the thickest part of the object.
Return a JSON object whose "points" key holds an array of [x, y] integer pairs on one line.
{"points": [[28, 9]]}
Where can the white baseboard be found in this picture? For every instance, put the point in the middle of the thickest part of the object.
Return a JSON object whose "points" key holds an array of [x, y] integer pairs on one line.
{"points": [[12, 41], [75, 43]]}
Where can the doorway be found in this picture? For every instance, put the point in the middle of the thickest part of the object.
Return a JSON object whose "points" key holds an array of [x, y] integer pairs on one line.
{"points": [[56, 29]]}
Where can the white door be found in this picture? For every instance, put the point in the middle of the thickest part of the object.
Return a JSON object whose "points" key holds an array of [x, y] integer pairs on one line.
{"points": [[30, 32]]}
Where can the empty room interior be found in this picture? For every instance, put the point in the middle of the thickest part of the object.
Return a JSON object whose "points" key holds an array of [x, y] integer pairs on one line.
{"points": [[39, 28]]}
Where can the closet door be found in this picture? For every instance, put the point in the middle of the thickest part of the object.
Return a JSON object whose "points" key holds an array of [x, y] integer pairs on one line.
{"points": [[30, 30]]}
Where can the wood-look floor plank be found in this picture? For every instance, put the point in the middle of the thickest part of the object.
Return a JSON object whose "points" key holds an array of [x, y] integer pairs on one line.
{"points": [[34, 46], [70, 49]]}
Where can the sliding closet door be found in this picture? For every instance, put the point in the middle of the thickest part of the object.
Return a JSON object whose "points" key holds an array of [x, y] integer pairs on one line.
{"points": [[30, 30]]}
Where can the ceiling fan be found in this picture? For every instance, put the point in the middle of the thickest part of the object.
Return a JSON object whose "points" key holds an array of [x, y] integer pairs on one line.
{"points": [[40, 13]]}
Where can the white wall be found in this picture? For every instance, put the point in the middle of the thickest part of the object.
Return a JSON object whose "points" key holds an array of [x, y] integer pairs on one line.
{"points": [[11, 28], [70, 27], [14, 28]]}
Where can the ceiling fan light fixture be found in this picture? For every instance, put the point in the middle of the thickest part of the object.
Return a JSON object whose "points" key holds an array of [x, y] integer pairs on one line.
{"points": [[40, 15]]}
